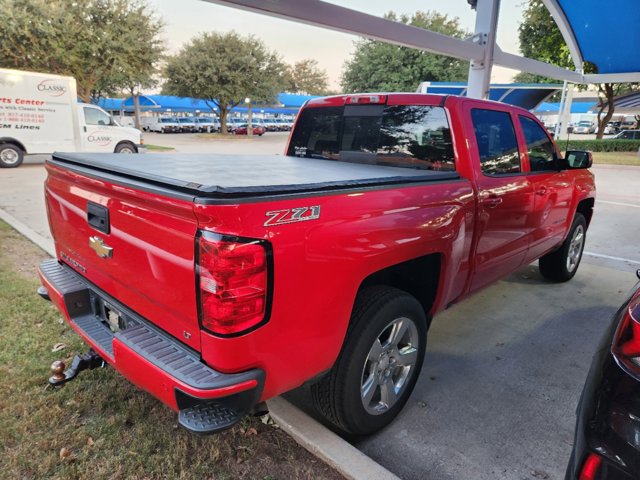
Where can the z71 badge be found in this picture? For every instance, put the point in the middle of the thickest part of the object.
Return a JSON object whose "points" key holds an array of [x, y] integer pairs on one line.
{"points": [[299, 214]]}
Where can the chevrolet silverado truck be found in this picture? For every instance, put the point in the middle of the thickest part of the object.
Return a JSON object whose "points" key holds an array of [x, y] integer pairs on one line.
{"points": [[217, 282]]}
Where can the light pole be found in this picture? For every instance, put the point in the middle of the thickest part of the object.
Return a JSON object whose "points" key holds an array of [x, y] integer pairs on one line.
{"points": [[249, 127]]}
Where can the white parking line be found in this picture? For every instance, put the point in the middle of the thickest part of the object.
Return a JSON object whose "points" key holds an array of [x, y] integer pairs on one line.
{"points": [[609, 257], [621, 204]]}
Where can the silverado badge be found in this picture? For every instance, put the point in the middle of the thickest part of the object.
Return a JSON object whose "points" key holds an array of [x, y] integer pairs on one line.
{"points": [[102, 249], [299, 214]]}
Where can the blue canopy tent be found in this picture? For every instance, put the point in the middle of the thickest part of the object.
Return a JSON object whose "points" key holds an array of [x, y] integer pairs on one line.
{"points": [[525, 95]]}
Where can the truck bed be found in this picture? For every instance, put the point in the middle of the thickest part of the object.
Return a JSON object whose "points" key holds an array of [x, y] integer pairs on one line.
{"points": [[220, 176]]}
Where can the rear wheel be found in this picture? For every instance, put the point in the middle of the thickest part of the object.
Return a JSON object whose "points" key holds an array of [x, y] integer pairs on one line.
{"points": [[562, 264], [11, 156], [379, 363], [126, 147]]}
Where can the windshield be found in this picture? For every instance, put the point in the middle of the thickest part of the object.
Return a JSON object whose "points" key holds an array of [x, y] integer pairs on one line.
{"points": [[584, 124], [166, 120], [185, 120], [414, 136]]}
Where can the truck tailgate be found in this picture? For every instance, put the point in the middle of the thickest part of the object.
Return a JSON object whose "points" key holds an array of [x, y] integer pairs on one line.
{"points": [[151, 238]]}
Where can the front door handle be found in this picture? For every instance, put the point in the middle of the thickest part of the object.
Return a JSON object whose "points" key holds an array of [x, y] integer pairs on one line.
{"points": [[492, 201], [542, 191]]}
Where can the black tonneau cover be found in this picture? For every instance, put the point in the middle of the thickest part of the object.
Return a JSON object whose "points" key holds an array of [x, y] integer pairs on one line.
{"points": [[210, 175]]}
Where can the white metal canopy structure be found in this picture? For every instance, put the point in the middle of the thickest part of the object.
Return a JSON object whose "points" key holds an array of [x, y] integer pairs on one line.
{"points": [[481, 50]]}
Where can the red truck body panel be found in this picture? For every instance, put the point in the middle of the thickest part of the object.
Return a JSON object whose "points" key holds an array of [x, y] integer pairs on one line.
{"points": [[479, 228]]}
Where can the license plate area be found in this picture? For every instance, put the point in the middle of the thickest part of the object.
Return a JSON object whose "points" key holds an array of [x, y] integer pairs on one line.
{"points": [[112, 317]]}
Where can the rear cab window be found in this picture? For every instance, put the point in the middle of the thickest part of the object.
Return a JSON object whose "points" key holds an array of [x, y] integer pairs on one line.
{"points": [[497, 142], [540, 148], [411, 136]]}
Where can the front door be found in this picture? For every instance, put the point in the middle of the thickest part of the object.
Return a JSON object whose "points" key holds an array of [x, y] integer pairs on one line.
{"points": [[98, 133]]}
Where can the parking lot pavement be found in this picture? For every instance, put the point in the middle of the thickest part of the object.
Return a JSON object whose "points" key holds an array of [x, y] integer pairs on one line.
{"points": [[269, 143], [504, 369]]}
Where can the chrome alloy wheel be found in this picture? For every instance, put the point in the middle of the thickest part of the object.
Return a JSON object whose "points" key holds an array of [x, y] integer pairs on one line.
{"points": [[9, 156], [575, 248], [388, 365]]}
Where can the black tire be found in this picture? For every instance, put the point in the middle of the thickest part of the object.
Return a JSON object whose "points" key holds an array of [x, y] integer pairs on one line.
{"points": [[562, 264], [11, 156], [126, 147], [337, 395]]}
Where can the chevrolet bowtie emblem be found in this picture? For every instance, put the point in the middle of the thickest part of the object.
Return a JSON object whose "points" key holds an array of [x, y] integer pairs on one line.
{"points": [[102, 250]]}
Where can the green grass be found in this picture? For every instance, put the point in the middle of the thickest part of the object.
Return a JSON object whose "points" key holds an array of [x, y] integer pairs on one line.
{"points": [[616, 158], [109, 428], [159, 148]]}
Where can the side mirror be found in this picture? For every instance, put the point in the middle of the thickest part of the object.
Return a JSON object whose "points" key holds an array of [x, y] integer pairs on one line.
{"points": [[576, 159]]}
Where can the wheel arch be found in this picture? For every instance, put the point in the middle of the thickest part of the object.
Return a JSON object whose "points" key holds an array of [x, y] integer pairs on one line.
{"points": [[585, 207], [13, 141], [419, 277], [125, 142]]}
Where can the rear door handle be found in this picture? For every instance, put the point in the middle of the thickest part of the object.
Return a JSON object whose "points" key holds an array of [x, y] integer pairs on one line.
{"points": [[492, 201]]}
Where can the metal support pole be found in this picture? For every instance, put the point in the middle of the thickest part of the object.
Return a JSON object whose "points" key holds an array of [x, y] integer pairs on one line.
{"points": [[485, 35], [559, 123]]}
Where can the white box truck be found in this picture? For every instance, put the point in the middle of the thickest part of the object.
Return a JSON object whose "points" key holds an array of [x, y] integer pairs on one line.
{"points": [[40, 113]]}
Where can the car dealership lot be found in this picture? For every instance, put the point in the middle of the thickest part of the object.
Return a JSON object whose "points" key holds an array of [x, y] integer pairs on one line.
{"points": [[504, 369]]}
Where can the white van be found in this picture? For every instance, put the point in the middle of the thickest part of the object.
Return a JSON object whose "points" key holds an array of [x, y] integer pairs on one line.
{"points": [[40, 113]]}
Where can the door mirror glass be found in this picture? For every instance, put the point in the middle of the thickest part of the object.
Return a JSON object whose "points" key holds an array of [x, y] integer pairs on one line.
{"points": [[576, 159]]}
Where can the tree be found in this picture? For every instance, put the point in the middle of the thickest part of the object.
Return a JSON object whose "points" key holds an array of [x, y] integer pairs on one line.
{"points": [[540, 38], [306, 77], [223, 69], [106, 45], [379, 66]]}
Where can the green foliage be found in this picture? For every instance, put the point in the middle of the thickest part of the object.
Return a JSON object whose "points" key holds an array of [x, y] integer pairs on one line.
{"points": [[107, 45], [380, 66], [306, 77], [608, 145], [223, 69]]}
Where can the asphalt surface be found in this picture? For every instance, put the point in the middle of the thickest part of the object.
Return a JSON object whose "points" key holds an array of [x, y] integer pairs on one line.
{"points": [[504, 369]]}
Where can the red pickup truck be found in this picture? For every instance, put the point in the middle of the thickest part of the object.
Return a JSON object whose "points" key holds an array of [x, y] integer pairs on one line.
{"points": [[216, 282]]}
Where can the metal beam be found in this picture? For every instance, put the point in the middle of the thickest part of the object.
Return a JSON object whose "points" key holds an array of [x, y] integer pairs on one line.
{"points": [[335, 17], [611, 77], [561, 20], [516, 62], [486, 26]]}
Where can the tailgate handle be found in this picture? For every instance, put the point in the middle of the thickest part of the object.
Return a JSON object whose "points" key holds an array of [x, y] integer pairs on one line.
{"points": [[98, 217]]}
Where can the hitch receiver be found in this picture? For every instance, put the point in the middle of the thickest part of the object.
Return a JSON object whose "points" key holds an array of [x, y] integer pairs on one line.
{"points": [[86, 361]]}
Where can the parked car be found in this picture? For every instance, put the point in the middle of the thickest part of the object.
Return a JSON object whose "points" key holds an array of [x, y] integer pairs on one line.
{"points": [[609, 129], [187, 125], [207, 124], [256, 130], [585, 126], [607, 437], [323, 265], [161, 124], [233, 123], [271, 124], [628, 135]]}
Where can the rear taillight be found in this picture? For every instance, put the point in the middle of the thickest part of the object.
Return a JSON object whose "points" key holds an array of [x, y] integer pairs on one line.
{"points": [[626, 344], [590, 467], [233, 282]]}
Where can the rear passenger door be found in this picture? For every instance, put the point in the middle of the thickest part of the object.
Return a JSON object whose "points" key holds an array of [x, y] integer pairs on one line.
{"points": [[552, 188], [505, 196]]}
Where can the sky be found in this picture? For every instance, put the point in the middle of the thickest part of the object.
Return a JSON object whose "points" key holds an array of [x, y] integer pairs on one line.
{"points": [[294, 41]]}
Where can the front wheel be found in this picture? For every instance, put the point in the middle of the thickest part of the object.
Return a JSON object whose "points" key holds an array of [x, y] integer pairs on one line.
{"points": [[11, 156], [562, 264], [125, 147], [379, 363]]}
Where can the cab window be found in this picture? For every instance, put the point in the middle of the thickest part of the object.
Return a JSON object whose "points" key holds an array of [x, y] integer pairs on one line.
{"points": [[542, 153], [497, 143], [93, 116]]}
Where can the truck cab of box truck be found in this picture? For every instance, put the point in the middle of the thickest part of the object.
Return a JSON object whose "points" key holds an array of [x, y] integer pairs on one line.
{"points": [[40, 114]]}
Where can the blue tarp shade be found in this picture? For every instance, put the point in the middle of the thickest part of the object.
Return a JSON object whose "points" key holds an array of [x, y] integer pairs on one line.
{"points": [[168, 103], [525, 95], [576, 107], [607, 33]]}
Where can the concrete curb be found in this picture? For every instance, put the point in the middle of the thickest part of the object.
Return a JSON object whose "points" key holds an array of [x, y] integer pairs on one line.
{"points": [[310, 434], [325, 444]]}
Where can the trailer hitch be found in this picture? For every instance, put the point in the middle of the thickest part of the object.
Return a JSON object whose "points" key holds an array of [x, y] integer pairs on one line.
{"points": [[86, 361]]}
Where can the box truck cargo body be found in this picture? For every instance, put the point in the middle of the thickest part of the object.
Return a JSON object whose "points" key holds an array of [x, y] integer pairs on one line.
{"points": [[40, 114]]}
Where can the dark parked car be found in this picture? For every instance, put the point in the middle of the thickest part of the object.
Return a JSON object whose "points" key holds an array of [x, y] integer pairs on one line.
{"points": [[628, 135], [607, 438], [256, 129]]}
